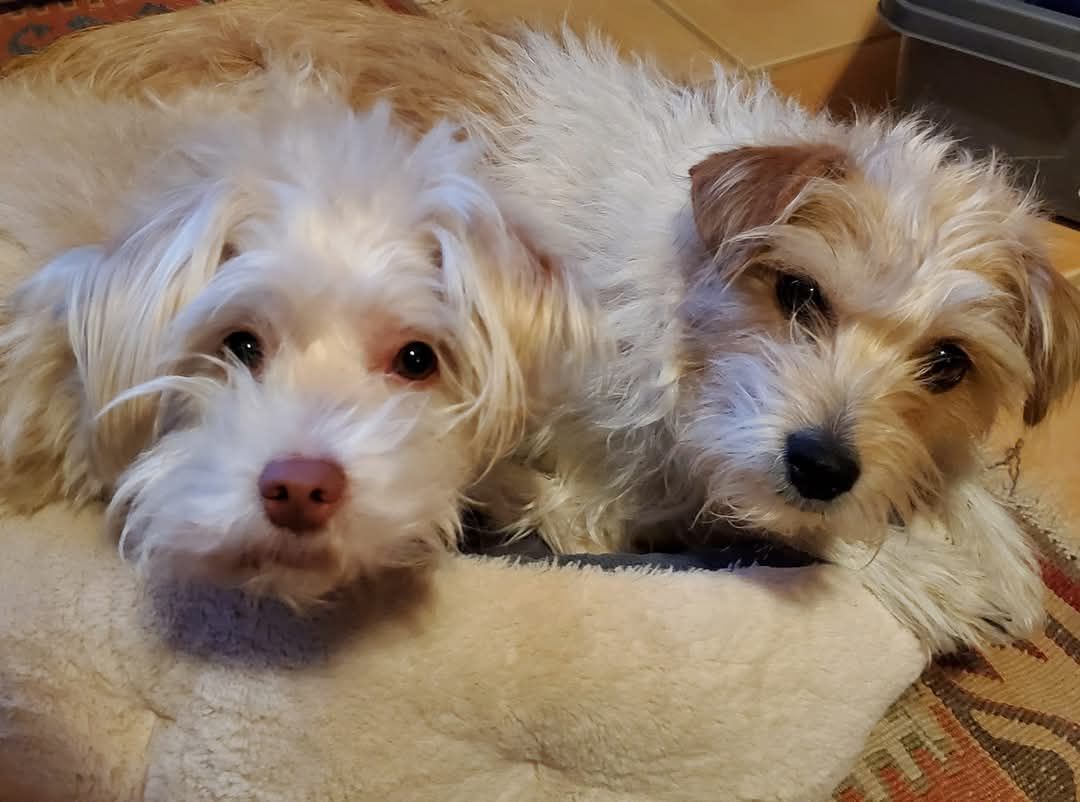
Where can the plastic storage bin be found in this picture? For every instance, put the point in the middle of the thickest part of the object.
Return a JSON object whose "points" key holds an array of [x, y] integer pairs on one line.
{"points": [[1002, 74]]}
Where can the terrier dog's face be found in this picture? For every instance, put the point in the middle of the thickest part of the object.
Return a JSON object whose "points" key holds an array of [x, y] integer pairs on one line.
{"points": [[868, 310], [298, 359]]}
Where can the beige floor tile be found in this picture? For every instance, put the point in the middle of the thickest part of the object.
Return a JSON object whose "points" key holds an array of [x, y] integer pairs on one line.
{"points": [[1050, 463], [1065, 249], [1050, 457], [638, 26], [863, 74], [760, 33]]}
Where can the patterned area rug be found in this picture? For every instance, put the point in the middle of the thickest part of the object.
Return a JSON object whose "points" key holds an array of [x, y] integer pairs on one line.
{"points": [[1001, 725], [997, 726], [28, 27]]}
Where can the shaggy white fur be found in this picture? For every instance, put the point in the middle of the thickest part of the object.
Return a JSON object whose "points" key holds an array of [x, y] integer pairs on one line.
{"points": [[289, 343]]}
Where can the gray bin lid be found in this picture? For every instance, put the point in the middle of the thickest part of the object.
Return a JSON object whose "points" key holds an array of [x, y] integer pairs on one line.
{"points": [[1010, 32]]}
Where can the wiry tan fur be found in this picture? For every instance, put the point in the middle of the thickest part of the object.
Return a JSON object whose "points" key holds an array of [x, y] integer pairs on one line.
{"points": [[680, 208], [139, 236]]}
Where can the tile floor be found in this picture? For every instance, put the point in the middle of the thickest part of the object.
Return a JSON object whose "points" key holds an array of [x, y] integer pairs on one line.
{"points": [[809, 47], [826, 53]]}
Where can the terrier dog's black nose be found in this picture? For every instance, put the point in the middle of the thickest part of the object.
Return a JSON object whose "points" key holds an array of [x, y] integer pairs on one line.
{"points": [[820, 465]]}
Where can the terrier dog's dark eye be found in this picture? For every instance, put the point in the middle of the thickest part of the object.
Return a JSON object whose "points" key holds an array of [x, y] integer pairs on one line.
{"points": [[416, 361], [247, 349], [944, 367], [800, 297]]}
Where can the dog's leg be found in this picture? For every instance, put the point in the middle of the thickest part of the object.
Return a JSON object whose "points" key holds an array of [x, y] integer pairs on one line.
{"points": [[967, 578]]}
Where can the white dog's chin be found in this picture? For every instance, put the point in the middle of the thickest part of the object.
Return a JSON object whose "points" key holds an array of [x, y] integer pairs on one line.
{"points": [[267, 561], [251, 553]]}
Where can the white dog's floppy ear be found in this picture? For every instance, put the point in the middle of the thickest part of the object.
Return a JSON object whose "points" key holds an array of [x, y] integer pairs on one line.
{"points": [[738, 190], [43, 403], [1052, 337], [91, 325], [530, 329], [551, 315]]}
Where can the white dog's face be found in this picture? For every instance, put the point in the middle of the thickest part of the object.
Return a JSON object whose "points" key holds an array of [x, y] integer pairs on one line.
{"points": [[869, 311], [296, 362], [329, 442]]}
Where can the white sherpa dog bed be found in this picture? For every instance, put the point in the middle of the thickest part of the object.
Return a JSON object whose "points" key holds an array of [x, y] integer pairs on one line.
{"points": [[500, 681]]}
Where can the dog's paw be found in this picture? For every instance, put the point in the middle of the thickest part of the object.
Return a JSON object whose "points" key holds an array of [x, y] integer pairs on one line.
{"points": [[954, 604]]}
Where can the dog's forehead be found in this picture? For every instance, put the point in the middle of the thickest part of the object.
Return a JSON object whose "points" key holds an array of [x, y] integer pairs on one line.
{"points": [[342, 228], [319, 264], [921, 248], [340, 249], [933, 273]]}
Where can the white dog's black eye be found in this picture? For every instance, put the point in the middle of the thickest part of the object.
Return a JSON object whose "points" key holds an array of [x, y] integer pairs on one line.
{"points": [[944, 367], [416, 361], [799, 297], [247, 349]]}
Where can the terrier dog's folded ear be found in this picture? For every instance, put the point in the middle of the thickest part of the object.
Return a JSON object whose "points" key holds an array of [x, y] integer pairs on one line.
{"points": [[735, 191], [1053, 337]]}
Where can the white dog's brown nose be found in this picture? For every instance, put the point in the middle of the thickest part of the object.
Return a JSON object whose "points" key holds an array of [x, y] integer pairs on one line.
{"points": [[301, 494]]}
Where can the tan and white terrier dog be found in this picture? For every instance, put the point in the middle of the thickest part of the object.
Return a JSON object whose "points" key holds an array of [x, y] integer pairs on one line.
{"points": [[290, 341], [810, 325]]}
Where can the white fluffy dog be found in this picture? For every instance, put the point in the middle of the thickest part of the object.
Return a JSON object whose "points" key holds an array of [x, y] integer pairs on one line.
{"points": [[815, 326], [291, 340], [812, 325]]}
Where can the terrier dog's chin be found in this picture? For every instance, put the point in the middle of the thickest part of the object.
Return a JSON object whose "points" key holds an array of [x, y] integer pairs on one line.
{"points": [[738, 441]]}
